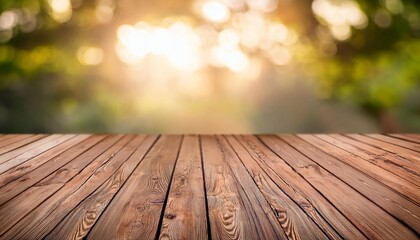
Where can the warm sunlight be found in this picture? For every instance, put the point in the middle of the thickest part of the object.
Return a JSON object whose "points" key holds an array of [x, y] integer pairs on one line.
{"points": [[61, 10], [164, 65], [230, 41], [340, 16], [89, 55], [215, 11], [178, 43]]}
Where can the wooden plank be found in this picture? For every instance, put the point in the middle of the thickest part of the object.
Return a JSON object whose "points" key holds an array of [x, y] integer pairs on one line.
{"points": [[13, 162], [185, 215], [14, 188], [371, 219], [16, 152], [400, 207], [409, 145], [408, 137], [336, 149], [11, 138], [45, 217], [81, 219], [14, 149], [273, 223], [297, 188], [389, 161], [404, 153], [291, 218], [135, 211], [7, 137], [28, 200], [231, 213], [26, 167]]}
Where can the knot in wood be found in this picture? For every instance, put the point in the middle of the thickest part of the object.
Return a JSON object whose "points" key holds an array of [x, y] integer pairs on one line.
{"points": [[170, 216]]}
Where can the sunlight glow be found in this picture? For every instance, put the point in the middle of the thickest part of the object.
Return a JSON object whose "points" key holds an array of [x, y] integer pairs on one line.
{"points": [[136, 41], [89, 55], [104, 11], [8, 20], [263, 5], [61, 10], [280, 55], [215, 11], [340, 16], [232, 58], [228, 40], [179, 44], [341, 32]]}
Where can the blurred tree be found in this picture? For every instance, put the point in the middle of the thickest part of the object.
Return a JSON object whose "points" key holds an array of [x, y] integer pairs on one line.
{"points": [[43, 85]]}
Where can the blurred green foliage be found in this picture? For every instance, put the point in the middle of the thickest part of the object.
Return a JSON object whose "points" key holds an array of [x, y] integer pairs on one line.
{"points": [[44, 88]]}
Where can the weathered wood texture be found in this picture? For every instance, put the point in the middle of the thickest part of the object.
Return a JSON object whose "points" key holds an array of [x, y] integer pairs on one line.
{"points": [[75, 186]]}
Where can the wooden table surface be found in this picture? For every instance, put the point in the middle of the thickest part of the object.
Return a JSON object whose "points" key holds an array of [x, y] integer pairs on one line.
{"points": [[334, 186]]}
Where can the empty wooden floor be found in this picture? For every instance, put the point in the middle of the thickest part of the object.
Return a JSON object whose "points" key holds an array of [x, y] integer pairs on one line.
{"points": [[199, 187]]}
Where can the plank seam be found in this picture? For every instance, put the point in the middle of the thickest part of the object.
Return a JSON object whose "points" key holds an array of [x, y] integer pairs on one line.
{"points": [[379, 147], [47, 135], [401, 138], [294, 189], [367, 175], [242, 192], [205, 189], [52, 157], [50, 173], [385, 157], [110, 201], [162, 213], [256, 185], [50, 149], [392, 143], [54, 191], [328, 200], [403, 223], [87, 179]]}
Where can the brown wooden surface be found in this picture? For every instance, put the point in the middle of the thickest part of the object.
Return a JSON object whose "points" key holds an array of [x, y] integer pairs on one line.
{"points": [[74, 186]]}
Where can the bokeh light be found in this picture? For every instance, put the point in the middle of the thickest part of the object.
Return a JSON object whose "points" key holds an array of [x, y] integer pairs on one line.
{"points": [[61, 10], [89, 55], [214, 11], [209, 66]]}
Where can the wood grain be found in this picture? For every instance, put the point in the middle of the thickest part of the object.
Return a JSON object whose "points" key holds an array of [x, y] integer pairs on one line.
{"points": [[408, 137], [293, 221], [28, 200], [403, 167], [28, 166], [185, 215], [231, 216], [407, 154], [397, 142], [13, 162], [16, 148], [23, 149], [12, 138], [81, 219], [371, 219], [309, 199], [131, 186], [5, 138], [46, 216], [400, 207], [396, 183], [135, 211], [14, 188]]}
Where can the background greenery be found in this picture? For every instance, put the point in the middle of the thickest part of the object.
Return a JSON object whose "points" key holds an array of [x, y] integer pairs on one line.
{"points": [[367, 82]]}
